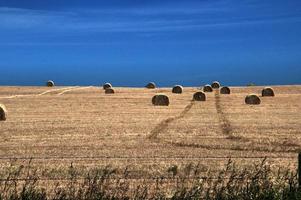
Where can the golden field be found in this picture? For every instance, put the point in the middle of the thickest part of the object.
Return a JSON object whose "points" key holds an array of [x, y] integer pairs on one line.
{"points": [[88, 128]]}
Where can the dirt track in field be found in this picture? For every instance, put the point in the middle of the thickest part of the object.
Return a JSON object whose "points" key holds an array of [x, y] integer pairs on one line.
{"points": [[160, 128], [224, 122]]}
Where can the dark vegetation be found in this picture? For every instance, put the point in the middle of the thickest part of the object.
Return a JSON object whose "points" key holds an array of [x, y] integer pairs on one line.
{"points": [[257, 182], [251, 84]]}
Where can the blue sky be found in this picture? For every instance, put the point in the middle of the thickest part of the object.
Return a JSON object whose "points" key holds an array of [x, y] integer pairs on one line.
{"points": [[131, 42]]}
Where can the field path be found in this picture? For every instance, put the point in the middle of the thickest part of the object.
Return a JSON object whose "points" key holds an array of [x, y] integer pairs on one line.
{"points": [[65, 89], [55, 90], [72, 89], [163, 125], [15, 96], [224, 122]]}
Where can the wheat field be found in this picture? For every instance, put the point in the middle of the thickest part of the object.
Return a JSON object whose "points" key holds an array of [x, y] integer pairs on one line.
{"points": [[84, 127]]}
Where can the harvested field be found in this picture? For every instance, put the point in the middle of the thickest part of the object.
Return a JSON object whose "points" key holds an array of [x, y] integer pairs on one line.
{"points": [[85, 127]]}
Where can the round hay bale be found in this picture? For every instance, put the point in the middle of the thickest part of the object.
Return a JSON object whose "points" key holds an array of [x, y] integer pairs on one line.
{"points": [[199, 96], [252, 99], [178, 89], [50, 83], [107, 85], [151, 85], [109, 91], [160, 100], [225, 90], [268, 92], [2, 113], [207, 88], [215, 85]]}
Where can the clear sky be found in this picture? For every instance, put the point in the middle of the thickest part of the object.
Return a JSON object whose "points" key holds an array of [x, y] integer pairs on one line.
{"points": [[131, 42]]}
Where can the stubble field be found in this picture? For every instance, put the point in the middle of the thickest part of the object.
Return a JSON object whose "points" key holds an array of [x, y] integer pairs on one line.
{"points": [[85, 128]]}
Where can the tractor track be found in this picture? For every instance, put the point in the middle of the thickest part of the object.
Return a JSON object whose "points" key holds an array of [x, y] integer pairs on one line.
{"points": [[163, 125], [247, 148], [226, 128], [225, 124]]}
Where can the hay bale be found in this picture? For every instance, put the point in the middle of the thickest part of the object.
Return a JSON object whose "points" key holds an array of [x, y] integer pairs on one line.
{"points": [[107, 85], [178, 89], [160, 100], [151, 85], [225, 90], [2, 113], [268, 92], [109, 91], [252, 99], [50, 83], [199, 96], [207, 88], [215, 85]]}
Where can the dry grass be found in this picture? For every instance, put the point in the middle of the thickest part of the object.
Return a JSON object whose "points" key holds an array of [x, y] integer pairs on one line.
{"points": [[109, 91], [267, 91], [177, 89], [151, 85], [199, 96], [225, 90], [160, 100], [107, 86], [91, 129], [215, 85], [50, 83], [207, 88], [3, 112], [252, 99]]}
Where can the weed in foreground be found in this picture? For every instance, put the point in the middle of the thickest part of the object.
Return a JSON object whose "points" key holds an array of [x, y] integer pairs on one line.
{"points": [[258, 182]]}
